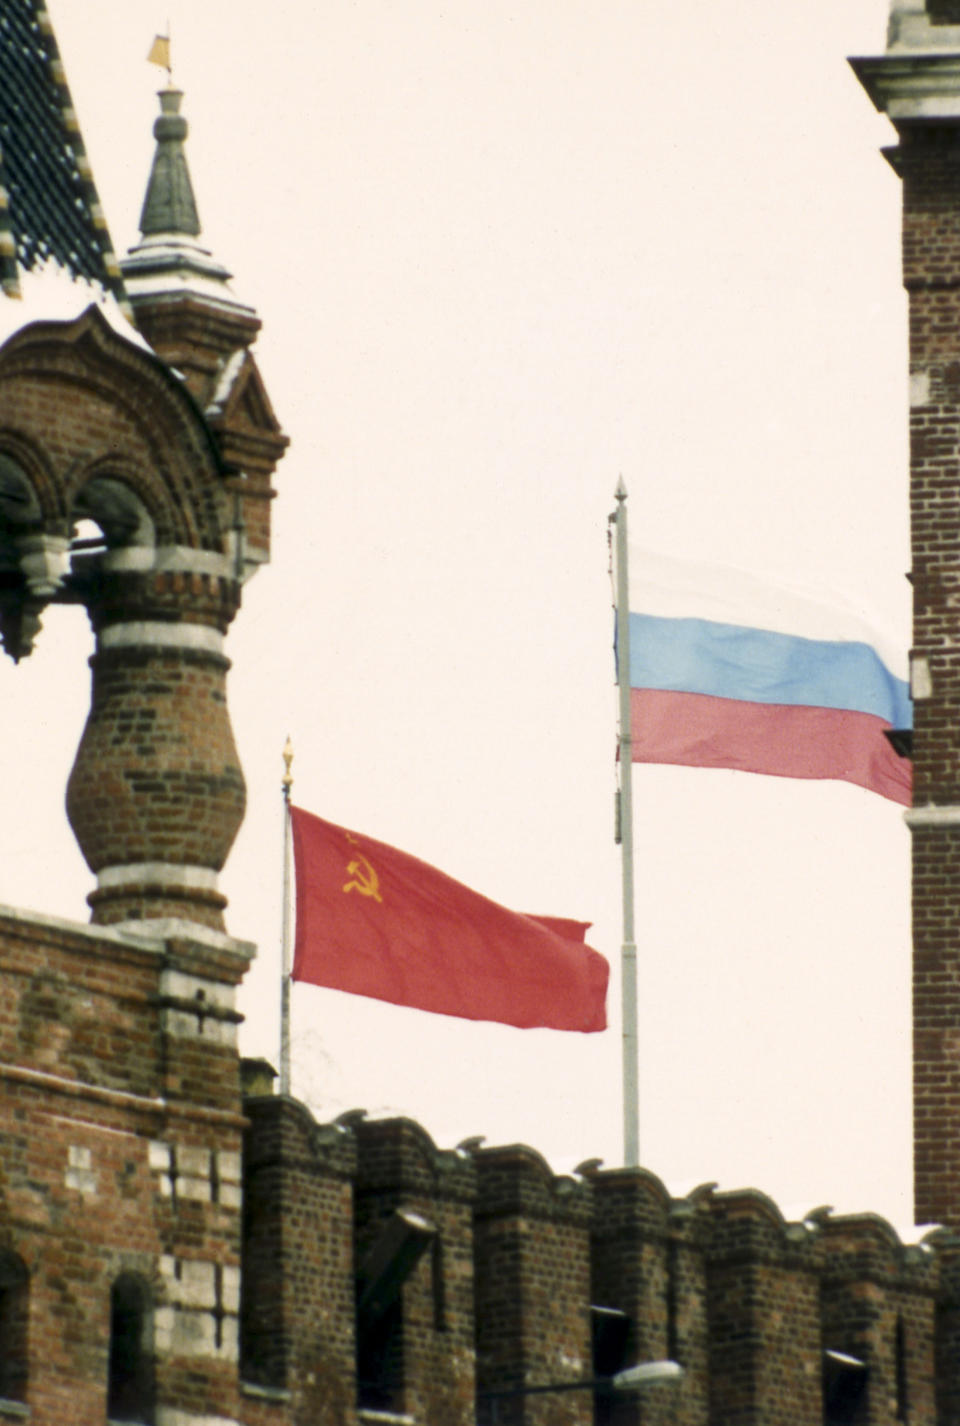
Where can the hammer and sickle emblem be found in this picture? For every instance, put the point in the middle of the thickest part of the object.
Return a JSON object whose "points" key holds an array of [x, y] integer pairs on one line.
{"points": [[365, 880]]}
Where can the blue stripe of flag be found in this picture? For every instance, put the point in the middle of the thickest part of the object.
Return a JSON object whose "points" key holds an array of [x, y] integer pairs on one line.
{"points": [[758, 666]]}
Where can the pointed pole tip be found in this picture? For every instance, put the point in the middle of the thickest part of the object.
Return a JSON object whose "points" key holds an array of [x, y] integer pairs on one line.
{"points": [[621, 490]]}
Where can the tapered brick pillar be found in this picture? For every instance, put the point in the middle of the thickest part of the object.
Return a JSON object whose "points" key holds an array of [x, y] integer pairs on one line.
{"points": [[917, 84], [156, 795]]}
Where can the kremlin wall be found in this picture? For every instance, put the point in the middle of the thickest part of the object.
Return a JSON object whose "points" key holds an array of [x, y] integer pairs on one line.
{"points": [[179, 1244]]}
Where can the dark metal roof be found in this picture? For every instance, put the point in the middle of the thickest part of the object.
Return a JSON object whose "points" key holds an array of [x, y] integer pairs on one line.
{"points": [[49, 207]]}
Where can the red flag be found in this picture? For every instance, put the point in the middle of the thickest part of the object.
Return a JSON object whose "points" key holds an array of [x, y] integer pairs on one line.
{"points": [[378, 922]]}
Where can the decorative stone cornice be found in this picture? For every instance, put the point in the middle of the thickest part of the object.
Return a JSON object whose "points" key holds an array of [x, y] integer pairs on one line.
{"points": [[930, 816], [914, 86]]}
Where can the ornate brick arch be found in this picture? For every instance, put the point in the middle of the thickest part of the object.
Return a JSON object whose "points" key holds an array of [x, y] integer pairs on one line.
{"points": [[28, 489], [106, 432], [88, 401]]}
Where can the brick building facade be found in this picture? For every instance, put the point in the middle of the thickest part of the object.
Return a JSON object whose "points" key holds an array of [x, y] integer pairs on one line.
{"points": [[179, 1245]]}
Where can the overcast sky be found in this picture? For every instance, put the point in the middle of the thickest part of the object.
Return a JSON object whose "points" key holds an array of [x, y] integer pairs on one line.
{"points": [[505, 253]]}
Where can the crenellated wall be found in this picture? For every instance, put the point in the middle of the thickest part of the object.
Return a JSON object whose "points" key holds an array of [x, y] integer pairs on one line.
{"points": [[435, 1286]]}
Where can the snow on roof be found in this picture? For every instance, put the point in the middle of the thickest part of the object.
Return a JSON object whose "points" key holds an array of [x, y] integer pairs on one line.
{"points": [[50, 293]]}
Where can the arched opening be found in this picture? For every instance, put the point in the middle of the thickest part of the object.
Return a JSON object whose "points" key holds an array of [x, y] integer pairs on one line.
{"points": [[108, 514], [130, 1386], [19, 506], [14, 1304]]}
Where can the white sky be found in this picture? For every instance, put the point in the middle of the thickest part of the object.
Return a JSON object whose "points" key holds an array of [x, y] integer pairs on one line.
{"points": [[505, 253]]}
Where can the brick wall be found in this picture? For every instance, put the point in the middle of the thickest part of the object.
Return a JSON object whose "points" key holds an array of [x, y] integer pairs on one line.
{"points": [[532, 1247], [121, 1132], [648, 1262], [298, 1297], [774, 1323], [418, 1356], [928, 160], [919, 90]]}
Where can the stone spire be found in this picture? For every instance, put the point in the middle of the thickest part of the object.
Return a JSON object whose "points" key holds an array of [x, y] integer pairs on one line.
{"points": [[169, 205], [180, 293]]}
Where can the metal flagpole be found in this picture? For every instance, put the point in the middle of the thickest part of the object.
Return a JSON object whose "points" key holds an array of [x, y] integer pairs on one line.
{"points": [[286, 784], [631, 1092]]}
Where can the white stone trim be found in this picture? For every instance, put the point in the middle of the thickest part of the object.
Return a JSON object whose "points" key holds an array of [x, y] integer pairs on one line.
{"points": [[919, 388], [913, 83], [45, 561], [175, 928], [921, 679], [264, 1393], [186, 1022], [194, 878], [159, 1156], [173, 1416], [910, 30], [158, 634], [181, 559], [80, 1089], [191, 1025], [201, 1306], [932, 817], [197, 988], [139, 935], [231, 369], [79, 1173]]}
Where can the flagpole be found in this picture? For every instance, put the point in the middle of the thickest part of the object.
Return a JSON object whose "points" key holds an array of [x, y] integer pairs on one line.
{"points": [[631, 1091], [286, 784]]}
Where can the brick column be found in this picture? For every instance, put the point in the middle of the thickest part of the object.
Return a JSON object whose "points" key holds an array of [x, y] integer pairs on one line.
{"points": [[948, 1332], [532, 1244], [764, 1316], [109, 437], [928, 160], [156, 795], [413, 1236], [297, 1338], [877, 1302], [647, 1262], [917, 83]]}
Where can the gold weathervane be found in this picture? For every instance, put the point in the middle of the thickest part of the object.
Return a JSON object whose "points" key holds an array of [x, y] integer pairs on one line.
{"points": [[160, 54]]}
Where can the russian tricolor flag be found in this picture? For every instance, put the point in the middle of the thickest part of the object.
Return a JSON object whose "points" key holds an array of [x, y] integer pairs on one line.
{"points": [[726, 671]]}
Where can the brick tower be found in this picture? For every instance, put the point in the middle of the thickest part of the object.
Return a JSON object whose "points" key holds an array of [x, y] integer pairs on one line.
{"points": [[917, 84], [156, 795], [134, 480]]}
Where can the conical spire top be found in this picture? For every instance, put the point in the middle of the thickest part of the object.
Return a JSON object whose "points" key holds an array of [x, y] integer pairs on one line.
{"points": [[169, 205], [179, 292]]}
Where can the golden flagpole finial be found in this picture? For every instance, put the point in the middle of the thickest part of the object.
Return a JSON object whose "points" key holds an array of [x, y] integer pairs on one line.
{"points": [[287, 780]]}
